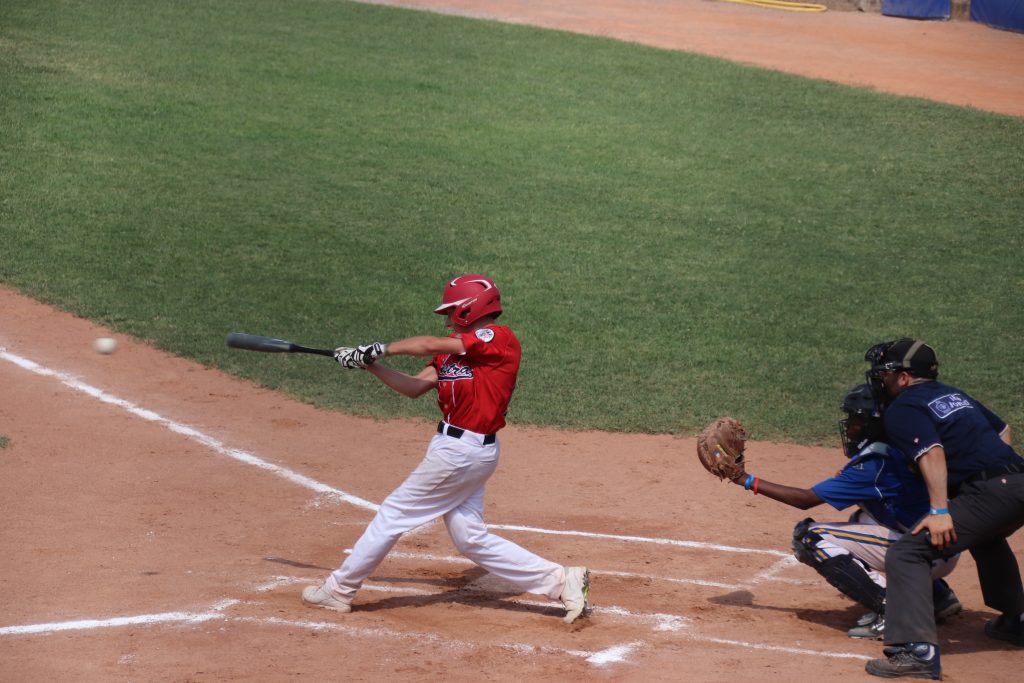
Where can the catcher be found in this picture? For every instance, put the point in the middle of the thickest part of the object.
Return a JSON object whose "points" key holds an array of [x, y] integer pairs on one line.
{"points": [[849, 555]]}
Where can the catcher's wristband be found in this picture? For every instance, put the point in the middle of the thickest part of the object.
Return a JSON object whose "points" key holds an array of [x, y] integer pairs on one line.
{"points": [[938, 511], [751, 483]]}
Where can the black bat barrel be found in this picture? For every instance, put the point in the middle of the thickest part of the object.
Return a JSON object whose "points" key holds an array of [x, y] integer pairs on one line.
{"points": [[256, 342]]}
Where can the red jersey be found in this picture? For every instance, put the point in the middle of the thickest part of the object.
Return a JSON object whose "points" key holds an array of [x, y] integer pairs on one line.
{"points": [[475, 387]]}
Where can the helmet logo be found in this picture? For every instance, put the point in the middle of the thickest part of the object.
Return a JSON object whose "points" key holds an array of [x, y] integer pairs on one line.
{"points": [[487, 285]]}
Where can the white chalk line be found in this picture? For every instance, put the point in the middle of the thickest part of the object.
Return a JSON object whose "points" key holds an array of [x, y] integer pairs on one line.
{"points": [[312, 484], [775, 648], [85, 624], [458, 559], [678, 625], [641, 539], [616, 653], [771, 573], [186, 431], [656, 620]]}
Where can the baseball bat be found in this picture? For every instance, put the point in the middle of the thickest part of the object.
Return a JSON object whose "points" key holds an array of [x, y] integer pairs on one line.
{"points": [[257, 342]]}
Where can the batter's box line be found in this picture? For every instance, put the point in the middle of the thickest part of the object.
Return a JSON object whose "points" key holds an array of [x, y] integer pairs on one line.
{"points": [[770, 574], [610, 655], [616, 653], [767, 575]]}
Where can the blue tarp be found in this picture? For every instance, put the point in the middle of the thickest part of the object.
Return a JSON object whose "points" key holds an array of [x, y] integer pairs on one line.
{"points": [[999, 13], [919, 9]]}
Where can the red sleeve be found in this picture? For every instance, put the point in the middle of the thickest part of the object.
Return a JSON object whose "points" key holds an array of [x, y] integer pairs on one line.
{"points": [[485, 344]]}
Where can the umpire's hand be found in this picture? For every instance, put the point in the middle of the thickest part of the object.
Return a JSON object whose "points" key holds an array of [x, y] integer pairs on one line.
{"points": [[940, 528]]}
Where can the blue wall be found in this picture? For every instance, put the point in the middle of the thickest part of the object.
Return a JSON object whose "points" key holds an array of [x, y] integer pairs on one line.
{"points": [[1000, 13], [918, 9]]}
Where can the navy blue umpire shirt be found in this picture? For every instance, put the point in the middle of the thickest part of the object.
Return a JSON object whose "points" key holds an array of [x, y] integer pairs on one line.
{"points": [[935, 414]]}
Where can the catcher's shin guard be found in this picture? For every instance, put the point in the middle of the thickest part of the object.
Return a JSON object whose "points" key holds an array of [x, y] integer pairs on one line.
{"points": [[849, 577], [843, 572]]}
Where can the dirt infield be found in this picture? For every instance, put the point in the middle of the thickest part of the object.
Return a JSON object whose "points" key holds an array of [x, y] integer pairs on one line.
{"points": [[161, 519]]}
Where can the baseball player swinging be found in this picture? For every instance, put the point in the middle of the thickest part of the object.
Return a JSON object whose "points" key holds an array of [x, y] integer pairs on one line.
{"points": [[474, 371]]}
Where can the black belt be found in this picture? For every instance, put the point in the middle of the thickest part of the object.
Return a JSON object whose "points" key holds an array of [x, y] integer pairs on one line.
{"points": [[992, 472], [457, 433]]}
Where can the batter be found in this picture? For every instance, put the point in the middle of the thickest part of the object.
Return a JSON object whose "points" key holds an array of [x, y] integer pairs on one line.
{"points": [[474, 372]]}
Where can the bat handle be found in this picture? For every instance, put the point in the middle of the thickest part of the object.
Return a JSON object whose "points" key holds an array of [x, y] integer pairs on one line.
{"points": [[305, 349]]}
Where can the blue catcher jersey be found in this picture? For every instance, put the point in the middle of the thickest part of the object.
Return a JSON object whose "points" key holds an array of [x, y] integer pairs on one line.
{"points": [[879, 479], [935, 414]]}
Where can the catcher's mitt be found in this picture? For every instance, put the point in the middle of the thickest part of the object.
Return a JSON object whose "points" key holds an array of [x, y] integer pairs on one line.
{"points": [[720, 448]]}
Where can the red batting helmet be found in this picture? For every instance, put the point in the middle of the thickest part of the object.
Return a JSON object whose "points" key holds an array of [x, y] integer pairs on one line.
{"points": [[472, 297]]}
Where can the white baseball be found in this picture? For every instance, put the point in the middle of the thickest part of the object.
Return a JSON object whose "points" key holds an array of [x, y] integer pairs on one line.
{"points": [[105, 345]]}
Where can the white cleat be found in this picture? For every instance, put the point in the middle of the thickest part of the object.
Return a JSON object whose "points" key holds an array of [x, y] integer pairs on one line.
{"points": [[575, 592], [317, 596]]}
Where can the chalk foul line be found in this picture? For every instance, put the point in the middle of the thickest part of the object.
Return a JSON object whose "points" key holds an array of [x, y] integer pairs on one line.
{"points": [[677, 625], [189, 432], [320, 488]]}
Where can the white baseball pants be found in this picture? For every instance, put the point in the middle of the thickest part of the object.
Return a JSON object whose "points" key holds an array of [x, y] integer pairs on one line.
{"points": [[868, 541], [449, 482]]}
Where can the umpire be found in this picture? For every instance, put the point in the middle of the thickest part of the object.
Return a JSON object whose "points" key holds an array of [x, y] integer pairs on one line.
{"points": [[975, 484]]}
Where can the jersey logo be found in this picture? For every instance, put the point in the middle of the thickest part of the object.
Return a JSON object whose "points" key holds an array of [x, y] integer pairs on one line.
{"points": [[453, 371], [944, 406], [485, 334]]}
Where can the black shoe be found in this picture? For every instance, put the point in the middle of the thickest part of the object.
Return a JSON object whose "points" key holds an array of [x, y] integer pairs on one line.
{"points": [[945, 601], [1006, 627], [907, 661], [947, 607]]}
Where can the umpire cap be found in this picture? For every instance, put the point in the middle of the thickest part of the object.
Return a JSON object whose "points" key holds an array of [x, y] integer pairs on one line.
{"points": [[907, 355]]}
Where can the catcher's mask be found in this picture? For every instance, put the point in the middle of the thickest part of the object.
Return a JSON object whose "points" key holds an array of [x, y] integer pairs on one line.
{"points": [[469, 298], [904, 355], [863, 422]]}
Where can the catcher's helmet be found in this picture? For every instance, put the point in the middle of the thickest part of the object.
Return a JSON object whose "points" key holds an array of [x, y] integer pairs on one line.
{"points": [[860, 401], [469, 298]]}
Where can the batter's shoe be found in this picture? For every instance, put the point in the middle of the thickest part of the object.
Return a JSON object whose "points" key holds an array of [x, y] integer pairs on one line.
{"points": [[1006, 627], [575, 592], [913, 660], [873, 630], [318, 596]]}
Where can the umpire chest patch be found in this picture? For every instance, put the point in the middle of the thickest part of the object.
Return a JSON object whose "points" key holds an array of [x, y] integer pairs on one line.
{"points": [[944, 406], [484, 334]]}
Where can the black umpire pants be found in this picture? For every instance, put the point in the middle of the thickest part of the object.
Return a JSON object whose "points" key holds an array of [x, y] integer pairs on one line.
{"points": [[984, 513]]}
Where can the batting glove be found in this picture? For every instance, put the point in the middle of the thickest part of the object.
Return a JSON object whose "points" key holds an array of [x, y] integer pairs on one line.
{"points": [[349, 358], [371, 352]]}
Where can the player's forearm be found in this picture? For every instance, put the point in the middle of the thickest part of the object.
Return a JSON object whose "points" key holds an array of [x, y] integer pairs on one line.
{"points": [[425, 346], [407, 385], [933, 470], [790, 495]]}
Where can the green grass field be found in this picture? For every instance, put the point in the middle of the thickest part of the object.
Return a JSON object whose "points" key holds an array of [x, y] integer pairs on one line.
{"points": [[676, 237]]}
